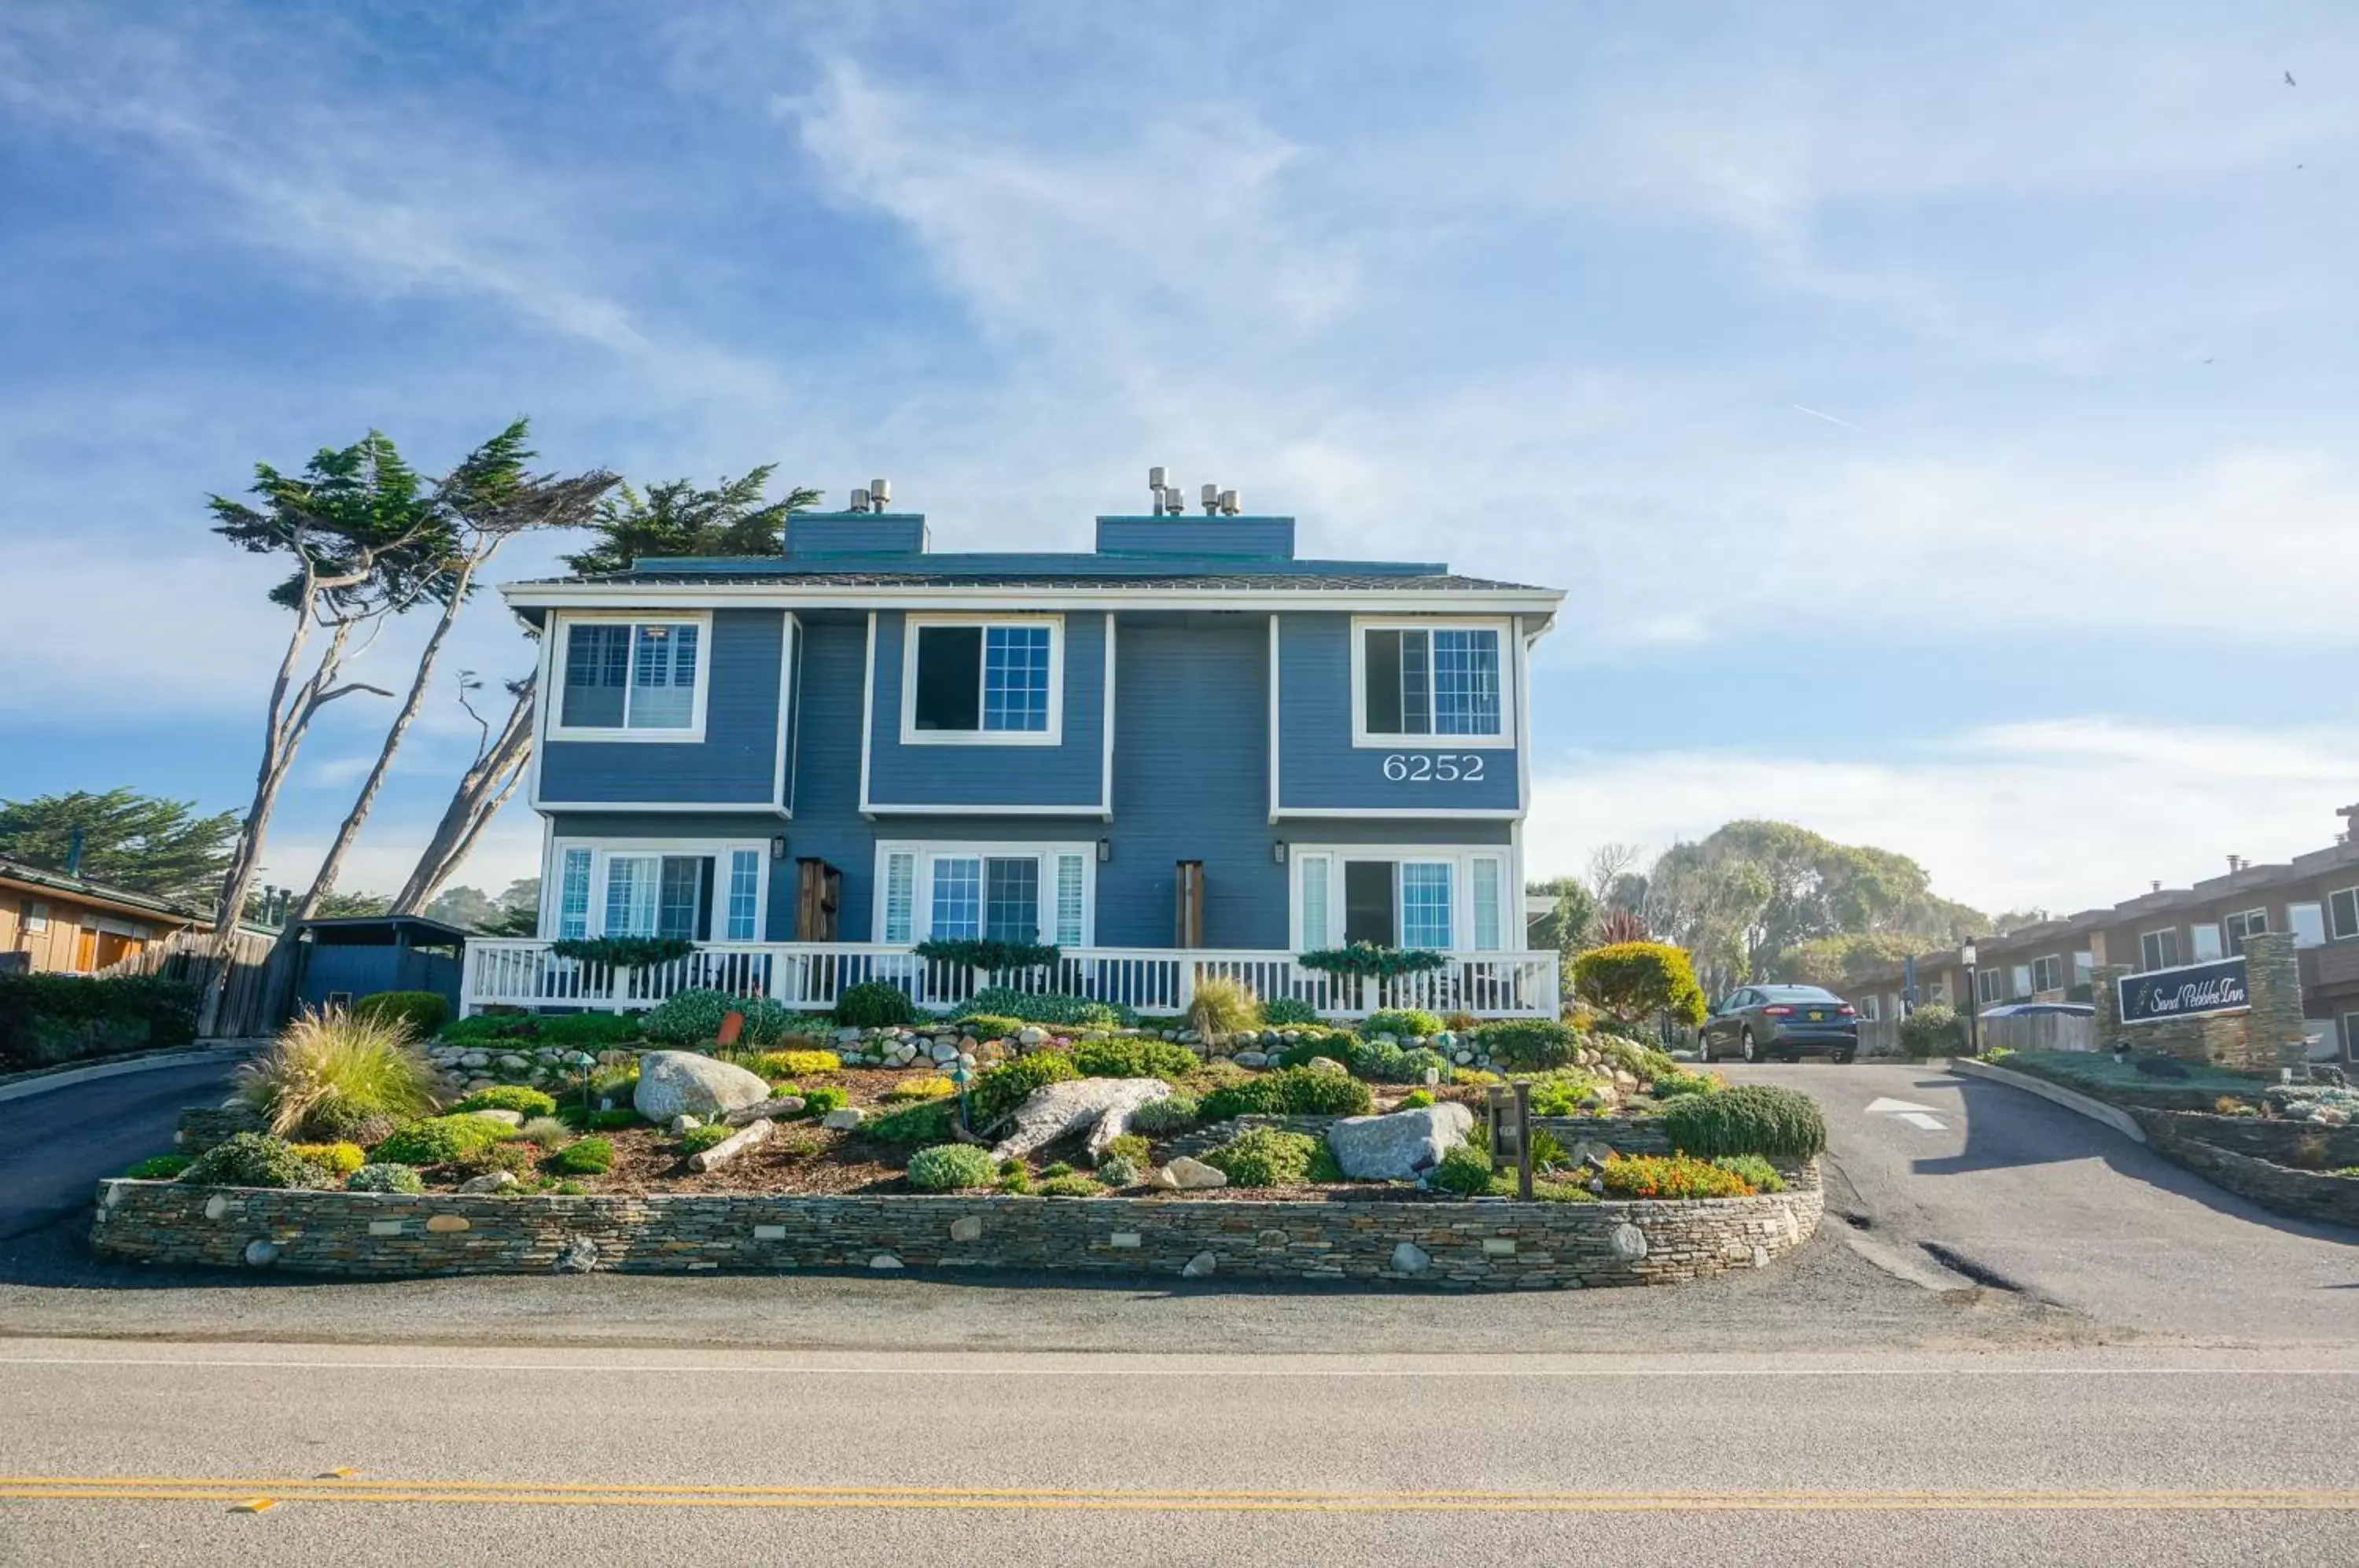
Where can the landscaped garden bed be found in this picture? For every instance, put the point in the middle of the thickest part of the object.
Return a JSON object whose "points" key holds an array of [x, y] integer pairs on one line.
{"points": [[345, 1117]]}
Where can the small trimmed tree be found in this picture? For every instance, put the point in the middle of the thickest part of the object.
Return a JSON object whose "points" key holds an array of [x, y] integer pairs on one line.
{"points": [[1635, 981]]}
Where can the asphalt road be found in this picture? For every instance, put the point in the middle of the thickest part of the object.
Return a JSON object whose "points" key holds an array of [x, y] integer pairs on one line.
{"points": [[1965, 1179], [55, 1146], [115, 1453]]}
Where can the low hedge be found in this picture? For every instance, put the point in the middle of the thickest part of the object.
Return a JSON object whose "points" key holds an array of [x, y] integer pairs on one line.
{"points": [[1052, 1007], [1266, 1157], [1289, 1091], [439, 1139], [1751, 1118], [254, 1159], [1131, 1056], [1528, 1044], [423, 1011], [51, 1018]]}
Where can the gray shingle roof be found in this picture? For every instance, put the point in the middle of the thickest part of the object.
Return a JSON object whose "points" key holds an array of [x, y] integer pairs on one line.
{"points": [[1235, 582]]}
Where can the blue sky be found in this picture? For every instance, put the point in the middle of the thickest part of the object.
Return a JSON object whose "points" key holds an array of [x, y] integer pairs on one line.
{"points": [[2057, 599]]}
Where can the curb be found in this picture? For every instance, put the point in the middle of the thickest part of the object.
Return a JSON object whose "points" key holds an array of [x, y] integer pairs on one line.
{"points": [[66, 1078], [2114, 1117]]}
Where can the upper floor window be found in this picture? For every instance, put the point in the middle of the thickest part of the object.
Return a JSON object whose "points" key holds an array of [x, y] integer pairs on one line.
{"points": [[1433, 681], [2343, 914], [2047, 973], [2244, 923], [2204, 939], [2160, 949], [995, 680], [1990, 984], [2307, 923], [640, 678]]}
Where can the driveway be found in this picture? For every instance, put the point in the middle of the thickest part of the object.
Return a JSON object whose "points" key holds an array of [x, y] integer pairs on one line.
{"points": [[1992, 1184], [54, 1146]]}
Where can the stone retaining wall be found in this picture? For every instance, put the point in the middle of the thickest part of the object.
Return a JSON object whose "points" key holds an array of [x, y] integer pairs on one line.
{"points": [[202, 1127], [2303, 1145], [2187, 1141], [1492, 1243]]}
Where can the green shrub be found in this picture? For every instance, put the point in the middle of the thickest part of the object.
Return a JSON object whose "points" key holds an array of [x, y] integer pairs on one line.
{"points": [[1173, 1113], [546, 1131], [874, 1004], [1416, 1099], [1266, 1157], [1284, 1012], [439, 1139], [992, 1025], [1384, 1063], [1005, 1086], [588, 1031], [1527, 1044], [697, 1140], [1751, 1118], [921, 1089], [928, 1123], [693, 1016], [1639, 1059], [384, 1178], [819, 1101], [159, 1168], [516, 1159], [1221, 1006], [1934, 1030], [508, 1097], [1757, 1172], [49, 1018], [1559, 1097], [949, 1167], [1672, 1084], [1054, 1008], [423, 1012], [1403, 1023], [1134, 1056], [1130, 1146], [1014, 1177], [338, 1159], [1072, 1185], [794, 1063], [485, 1029], [1669, 1176], [327, 1070], [1637, 981], [1116, 1172], [254, 1160], [1289, 1091], [1465, 1170], [607, 1121], [589, 1157], [1562, 1192]]}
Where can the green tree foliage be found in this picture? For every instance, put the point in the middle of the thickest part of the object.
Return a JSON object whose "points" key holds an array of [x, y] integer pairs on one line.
{"points": [[674, 519], [513, 913], [143, 842], [1636, 981]]}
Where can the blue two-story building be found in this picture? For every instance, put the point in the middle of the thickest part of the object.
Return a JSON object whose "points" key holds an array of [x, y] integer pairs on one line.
{"points": [[1187, 753]]}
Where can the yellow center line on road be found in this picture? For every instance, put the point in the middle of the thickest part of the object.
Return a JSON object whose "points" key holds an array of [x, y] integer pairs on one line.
{"points": [[597, 1494]]}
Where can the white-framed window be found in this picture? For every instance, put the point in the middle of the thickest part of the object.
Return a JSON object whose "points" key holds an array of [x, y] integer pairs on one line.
{"points": [[1990, 985], [2243, 924], [2203, 939], [1870, 1007], [2084, 968], [37, 915], [699, 889], [630, 677], [2343, 913], [2307, 923], [2020, 980], [1445, 899], [1002, 892], [983, 680], [2159, 949], [2047, 973], [1432, 682]]}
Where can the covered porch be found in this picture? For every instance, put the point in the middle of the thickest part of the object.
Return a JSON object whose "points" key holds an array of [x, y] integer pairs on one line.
{"points": [[809, 976]]}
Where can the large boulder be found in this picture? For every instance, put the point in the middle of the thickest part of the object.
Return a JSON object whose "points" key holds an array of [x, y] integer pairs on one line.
{"points": [[1401, 1147], [680, 1082], [1103, 1105]]}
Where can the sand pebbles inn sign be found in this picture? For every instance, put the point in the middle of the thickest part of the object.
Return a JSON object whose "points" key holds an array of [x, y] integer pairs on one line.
{"points": [[2189, 991]]}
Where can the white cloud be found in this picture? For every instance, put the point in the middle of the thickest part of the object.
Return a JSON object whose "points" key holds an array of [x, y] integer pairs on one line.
{"points": [[387, 851], [2061, 815]]}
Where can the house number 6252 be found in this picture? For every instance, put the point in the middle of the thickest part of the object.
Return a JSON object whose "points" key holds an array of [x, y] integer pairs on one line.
{"points": [[1434, 767]]}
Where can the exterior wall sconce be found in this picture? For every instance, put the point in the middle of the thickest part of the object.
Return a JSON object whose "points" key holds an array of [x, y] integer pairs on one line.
{"points": [[778, 847], [1106, 850], [1278, 851]]}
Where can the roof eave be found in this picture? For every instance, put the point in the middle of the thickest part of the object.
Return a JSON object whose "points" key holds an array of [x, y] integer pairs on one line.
{"points": [[954, 595]]}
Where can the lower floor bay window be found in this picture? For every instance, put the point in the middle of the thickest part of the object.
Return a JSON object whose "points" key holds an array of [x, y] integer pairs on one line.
{"points": [[997, 892], [1447, 900], [702, 892]]}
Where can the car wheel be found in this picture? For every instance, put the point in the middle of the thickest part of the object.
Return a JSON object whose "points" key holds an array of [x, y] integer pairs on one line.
{"points": [[1749, 1051]]}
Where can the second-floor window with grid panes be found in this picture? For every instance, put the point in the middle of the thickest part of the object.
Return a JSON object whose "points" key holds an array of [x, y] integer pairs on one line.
{"points": [[990, 679], [1434, 681], [2160, 949], [630, 675], [2047, 973], [2244, 923]]}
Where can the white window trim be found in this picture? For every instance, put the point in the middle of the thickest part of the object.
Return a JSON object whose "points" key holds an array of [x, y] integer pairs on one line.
{"points": [[2219, 943], [2332, 894], [2176, 958], [912, 735], [2228, 944], [561, 649], [921, 889], [2292, 926], [1460, 857], [602, 850], [2057, 960], [1362, 738]]}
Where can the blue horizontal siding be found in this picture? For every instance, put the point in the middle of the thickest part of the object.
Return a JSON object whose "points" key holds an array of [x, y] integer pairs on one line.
{"points": [[1321, 770], [1069, 774], [735, 764]]}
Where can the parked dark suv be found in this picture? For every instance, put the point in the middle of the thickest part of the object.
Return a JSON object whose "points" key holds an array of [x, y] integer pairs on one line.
{"points": [[1788, 1021]]}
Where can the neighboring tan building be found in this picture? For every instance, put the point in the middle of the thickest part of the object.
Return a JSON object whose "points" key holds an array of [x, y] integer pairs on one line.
{"points": [[2315, 898], [66, 925]]}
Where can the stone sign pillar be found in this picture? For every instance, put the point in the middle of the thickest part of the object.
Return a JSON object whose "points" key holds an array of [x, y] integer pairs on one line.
{"points": [[2275, 1034], [2106, 1026]]}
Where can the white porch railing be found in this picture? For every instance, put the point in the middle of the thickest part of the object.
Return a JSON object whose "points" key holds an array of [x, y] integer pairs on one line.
{"points": [[809, 976]]}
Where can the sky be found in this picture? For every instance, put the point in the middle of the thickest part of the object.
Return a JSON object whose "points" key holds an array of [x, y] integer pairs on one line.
{"points": [[1939, 418]]}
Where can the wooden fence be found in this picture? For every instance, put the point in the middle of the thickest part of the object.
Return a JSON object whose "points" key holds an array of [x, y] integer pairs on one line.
{"points": [[197, 956], [2040, 1031]]}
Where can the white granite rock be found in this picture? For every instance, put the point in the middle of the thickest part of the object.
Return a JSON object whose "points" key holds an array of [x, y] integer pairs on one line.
{"points": [[673, 1081], [1103, 1105], [1185, 1175], [1401, 1147]]}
